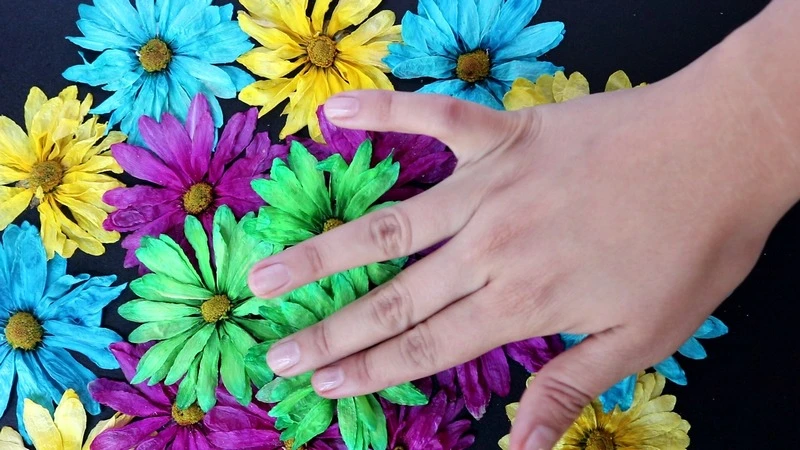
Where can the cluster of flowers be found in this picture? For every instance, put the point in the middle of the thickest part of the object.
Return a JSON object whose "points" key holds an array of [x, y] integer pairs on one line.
{"points": [[214, 199]]}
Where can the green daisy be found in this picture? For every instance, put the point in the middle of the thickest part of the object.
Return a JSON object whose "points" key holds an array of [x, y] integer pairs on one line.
{"points": [[300, 412], [198, 318], [308, 198]]}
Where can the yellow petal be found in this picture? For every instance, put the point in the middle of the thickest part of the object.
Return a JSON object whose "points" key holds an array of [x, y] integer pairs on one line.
{"points": [[350, 12], [61, 235], [263, 11], [271, 38], [293, 15], [368, 54], [16, 150], [374, 26], [97, 164], [577, 86], [9, 175], [268, 93], [69, 93], [318, 15], [40, 427], [559, 86], [89, 218], [618, 80], [10, 440], [36, 98], [116, 421], [511, 411], [360, 76], [70, 419], [13, 202], [505, 442], [266, 63], [302, 102], [519, 98]]}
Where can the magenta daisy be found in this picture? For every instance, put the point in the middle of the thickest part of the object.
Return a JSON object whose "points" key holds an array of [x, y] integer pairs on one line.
{"points": [[187, 174], [434, 426]]}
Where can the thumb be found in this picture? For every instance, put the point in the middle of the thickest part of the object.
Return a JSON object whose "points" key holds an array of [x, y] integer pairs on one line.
{"points": [[567, 384]]}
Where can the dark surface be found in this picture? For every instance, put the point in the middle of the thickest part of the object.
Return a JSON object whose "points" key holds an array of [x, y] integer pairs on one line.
{"points": [[741, 397]]}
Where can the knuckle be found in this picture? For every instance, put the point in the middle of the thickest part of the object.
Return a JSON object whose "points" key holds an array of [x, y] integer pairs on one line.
{"points": [[390, 231], [366, 368], [418, 347], [452, 111], [314, 259], [391, 307], [565, 400], [320, 336]]}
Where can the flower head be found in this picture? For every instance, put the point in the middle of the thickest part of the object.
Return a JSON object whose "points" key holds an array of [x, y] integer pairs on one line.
{"points": [[557, 89], [305, 201], [63, 433], [621, 394], [434, 426], [44, 313], [158, 57], [649, 423], [59, 165], [300, 412], [197, 315], [310, 59], [189, 175], [478, 379], [474, 48]]}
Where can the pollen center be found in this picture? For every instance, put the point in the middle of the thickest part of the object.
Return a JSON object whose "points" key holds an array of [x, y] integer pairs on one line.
{"points": [[331, 224], [23, 331], [188, 416], [215, 308], [599, 440], [155, 55], [289, 445], [47, 175], [198, 198], [321, 51], [473, 66]]}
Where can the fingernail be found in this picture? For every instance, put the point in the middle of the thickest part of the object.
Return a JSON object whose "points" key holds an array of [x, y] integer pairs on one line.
{"points": [[267, 279], [542, 438], [283, 356], [328, 379], [341, 107]]}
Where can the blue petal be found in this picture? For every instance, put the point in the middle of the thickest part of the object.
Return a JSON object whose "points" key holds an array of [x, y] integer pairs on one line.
{"points": [[92, 342], [147, 16], [512, 18], [531, 70], [711, 328], [240, 78], [469, 25], [479, 94], [7, 370], [400, 52], [56, 268], [63, 368], [123, 17], [219, 45], [34, 384], [671, 370], [531, 43], [429, 66], [621, 394], [571, 340], [96, 33], [56, 290], [424, 36], [487, 11], [432, 10], [28, 269], [109, 67], [192, 14], [496, 87], [212, 77], [177, 98], [444, 87], [693, 349], [84, 304]]}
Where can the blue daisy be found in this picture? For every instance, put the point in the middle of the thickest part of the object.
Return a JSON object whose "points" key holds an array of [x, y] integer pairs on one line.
{"points": [[474, 48], [44, 313], [621, 394], [158, 56]]}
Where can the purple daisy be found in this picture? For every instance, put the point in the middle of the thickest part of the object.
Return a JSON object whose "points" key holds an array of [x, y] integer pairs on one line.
{"points": [[434, 426], [161, 424], [188, 175], [489, 374], [424, 161]]}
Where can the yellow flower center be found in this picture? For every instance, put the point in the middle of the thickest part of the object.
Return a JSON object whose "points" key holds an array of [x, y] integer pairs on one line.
{"points": [[473, 66], [188, 416], [321, 51], [399, 447], [198, 198], [289, 445], [215, 308], [599, 440], [331, 224], [23, 331], [47, 175], [155, 55]]}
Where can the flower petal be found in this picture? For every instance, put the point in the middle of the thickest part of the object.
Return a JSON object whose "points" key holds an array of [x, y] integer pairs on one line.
{"points": [[350, 12], [40, 427], [142, 164], [532, 42], [428, 66], [70, 419], [133, 434]]}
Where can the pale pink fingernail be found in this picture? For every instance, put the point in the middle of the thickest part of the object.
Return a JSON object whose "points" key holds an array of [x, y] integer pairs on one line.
{"points": [[326, 380], [542, 438], [267, 279], [341, 107], [283, 356]]}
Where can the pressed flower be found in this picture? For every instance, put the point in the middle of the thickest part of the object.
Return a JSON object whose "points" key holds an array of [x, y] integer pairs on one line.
{"points": [[300, 412], [44, 315], [435, 426], [196, 315], [59, 166], [489, 374], [621, 394], [309, 59], [650, 422], [157, 56], [189, 175], [474, 48], [307, 198], [557, 89], [60, 431]]}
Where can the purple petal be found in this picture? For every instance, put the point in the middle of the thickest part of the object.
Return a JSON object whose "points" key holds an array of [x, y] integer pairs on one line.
{"points": [[428, 169], [341, 140], [128, 357], [534, 353], [171, 143], [143, 165], [167, 224], [424, 427], [181, 439], [258, 159], [476, 393], [200, 127], [228, 418], [131, 219], [124, 398], [331, 433], [139, 195], [235, 137], [495, 371], [130, 435], [241, 439], [398, 194], [198, 441], [320, 151], [447, 381], [162, 439]]}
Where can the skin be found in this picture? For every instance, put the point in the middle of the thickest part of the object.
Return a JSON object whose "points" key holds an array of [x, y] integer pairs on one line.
{"points": [[629, 216]]}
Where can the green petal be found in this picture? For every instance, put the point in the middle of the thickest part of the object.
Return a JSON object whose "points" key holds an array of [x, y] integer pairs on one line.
{"points": [[315, 299], [164, 256], [285, 406], [285, 192], [359, 279], [208, 376], [380, 273], [188, 353], [297, 316], [280, 227], [304, 165], [158, 359], [147, 311], [343, 291], [198, 239], [280, 388], [250, 307], [243, 251], [187, 392], [259, 329], [232, 371], [256, 364], [222, 229], [162, 330], [336, 166], [348, 421], [404, 394], [369, 188], [272, 312], [315, 422], [163, 288], [240, 338], [360, 164], [379, 437], [365, 413]]}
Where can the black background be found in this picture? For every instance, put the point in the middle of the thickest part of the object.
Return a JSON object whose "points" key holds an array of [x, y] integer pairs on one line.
{"points": [[742, 397]]}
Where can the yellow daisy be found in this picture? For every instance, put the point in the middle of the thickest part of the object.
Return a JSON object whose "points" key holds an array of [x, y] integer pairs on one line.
{"points": [[557, 89], [648, 424], [310, 59], [59, 163], [64, 431]]}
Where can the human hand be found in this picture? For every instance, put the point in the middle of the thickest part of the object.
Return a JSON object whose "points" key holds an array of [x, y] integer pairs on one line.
{"points": [[626, 216]]}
